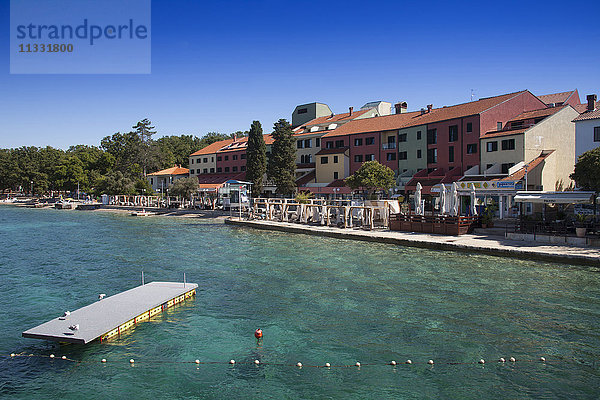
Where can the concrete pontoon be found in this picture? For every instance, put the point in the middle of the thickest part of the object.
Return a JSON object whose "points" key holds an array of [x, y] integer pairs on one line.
{"points": [[111, 315]]}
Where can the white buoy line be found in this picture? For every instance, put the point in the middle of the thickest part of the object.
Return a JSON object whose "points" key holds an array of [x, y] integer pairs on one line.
{"points": [[256, 362]]}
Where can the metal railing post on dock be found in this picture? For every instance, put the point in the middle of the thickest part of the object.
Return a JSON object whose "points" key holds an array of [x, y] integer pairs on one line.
{"points": [[142, 278]]}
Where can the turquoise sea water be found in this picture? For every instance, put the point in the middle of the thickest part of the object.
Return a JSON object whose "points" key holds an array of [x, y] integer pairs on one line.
{"points": [[317, 300]]}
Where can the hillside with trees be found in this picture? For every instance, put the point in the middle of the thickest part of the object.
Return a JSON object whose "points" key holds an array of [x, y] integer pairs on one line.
{"points": [[117, 166]]}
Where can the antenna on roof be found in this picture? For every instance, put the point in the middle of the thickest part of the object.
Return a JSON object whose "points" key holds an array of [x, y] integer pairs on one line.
{"points": [[472, 94]]}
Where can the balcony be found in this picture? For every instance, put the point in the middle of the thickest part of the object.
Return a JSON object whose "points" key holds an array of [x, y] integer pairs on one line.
{"points": [[388, 146]]}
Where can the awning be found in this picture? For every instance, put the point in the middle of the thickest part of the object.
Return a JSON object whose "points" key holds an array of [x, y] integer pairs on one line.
{"points": [[555, 197]]}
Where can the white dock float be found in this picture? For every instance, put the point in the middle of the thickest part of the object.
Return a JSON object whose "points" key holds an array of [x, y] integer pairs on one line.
{"points": [[110, 316]]}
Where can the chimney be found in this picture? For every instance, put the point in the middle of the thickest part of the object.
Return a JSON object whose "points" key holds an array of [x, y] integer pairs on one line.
{"points": [[350, 110], [400, 107], [429, 107], [422, 111], [234, 137], [591, 99]]}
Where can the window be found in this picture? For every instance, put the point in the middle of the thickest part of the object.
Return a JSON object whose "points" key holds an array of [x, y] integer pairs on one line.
{"points": [[226, 158], [243, 156], [152, 181], [402, 137], [431, 136], [339, 143], [597, 134], [453, 133], [419, 154], [489, 166], [219, 169], [431, 156], [226, 169], [302, 110], [451, 154], [508, 144], [204, 171], [299, 144], [191, 172], [418, 135], [318, 142], [498, 126], [369, 157], [506, 167], [212, 159], [358, 158], [335, 159], [329, 145], [469, 127], [472, 148], [219, 158], [235, 156], [369, 141], [212, 170], [392, 139], [192, 160], [492, 146], [392, 156], [234, 169], [307, 143], [358, 142], [205, 160], [324, 160], [401, 156], [243, 168], [335, 175]]}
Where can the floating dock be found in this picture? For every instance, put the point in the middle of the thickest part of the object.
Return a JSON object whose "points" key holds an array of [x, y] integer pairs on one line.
{"points": [[112, 315]]}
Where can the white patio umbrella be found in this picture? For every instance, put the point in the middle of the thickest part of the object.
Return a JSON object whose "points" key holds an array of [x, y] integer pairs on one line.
{"points": [[418, 208], [455, 202], [473, 200], [443, 199]]}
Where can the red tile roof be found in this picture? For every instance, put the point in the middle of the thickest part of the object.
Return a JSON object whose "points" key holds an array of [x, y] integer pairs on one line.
{"points": [[374, 124], [229, 145], [336, 150], [580, 108], [172, 171], [543, 112], [589, 115], [561, 97], [207, 179], [306, 178], [336, 118], [504, 133], [520, 174], [213, 147], [399, 121]]}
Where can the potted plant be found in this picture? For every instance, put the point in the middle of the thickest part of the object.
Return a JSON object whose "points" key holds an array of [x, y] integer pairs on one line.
{"points": [[487, 218], [580, 228]]}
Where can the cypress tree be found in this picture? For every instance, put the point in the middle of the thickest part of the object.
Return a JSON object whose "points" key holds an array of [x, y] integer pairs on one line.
{"points": [[256, 158], [282, 163]]}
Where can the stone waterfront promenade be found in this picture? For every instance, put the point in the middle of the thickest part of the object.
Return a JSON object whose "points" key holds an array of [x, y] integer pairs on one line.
{"points": [[493, 245]]}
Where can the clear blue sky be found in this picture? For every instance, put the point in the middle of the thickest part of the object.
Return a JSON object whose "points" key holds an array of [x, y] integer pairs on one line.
{"points": [[216, 66]]}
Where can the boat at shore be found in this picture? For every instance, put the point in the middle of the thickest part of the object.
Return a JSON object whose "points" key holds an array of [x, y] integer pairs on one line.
{"points": [[142, 213]]}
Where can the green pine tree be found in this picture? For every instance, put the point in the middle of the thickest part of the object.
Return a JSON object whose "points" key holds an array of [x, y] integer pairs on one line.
{"points": [[282, 163], [144, 130], [256, 158]]}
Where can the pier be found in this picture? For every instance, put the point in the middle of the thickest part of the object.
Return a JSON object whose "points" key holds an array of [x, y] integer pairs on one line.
{"points": [[111, 315]]}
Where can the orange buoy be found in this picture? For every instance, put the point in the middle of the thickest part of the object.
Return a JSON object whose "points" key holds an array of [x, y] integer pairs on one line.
{"points": [[258, 333]]}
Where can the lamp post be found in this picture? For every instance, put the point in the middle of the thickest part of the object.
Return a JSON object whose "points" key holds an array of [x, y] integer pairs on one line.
{"points": [[526, 167], [31, 188]]}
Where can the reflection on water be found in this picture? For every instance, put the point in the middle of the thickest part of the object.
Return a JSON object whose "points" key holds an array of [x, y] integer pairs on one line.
{"points": [[317, 300]]}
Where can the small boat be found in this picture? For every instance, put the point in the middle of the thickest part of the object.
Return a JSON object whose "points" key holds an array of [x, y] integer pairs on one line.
{"points": [[142, 213]]}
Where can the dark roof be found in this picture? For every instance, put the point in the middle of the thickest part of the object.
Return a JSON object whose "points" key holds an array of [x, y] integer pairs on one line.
{"points": [[336, 150]]}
